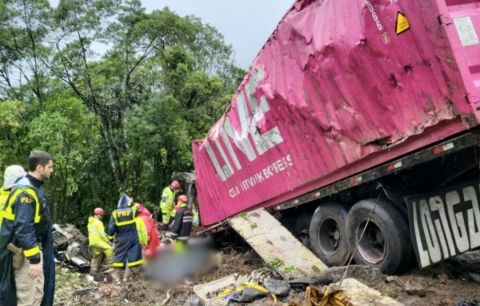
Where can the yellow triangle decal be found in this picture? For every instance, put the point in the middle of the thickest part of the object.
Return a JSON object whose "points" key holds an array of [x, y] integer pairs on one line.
{"points": [[402, 23]]}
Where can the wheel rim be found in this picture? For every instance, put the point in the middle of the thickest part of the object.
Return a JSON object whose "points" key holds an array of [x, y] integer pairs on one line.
{"points": [[329, 234], [372, 246]]}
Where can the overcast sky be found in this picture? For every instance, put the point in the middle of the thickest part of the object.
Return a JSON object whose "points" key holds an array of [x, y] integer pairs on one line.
{"points": [[245, 24]]}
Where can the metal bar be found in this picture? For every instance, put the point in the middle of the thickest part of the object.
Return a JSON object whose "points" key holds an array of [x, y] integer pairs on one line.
{"points": [[432, 152]]}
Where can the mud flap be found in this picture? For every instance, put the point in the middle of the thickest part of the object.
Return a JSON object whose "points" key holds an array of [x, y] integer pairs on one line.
{"points": [[445, 223]]}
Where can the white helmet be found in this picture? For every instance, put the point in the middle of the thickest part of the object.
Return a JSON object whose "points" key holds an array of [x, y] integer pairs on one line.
{"points": [[12, 174]]}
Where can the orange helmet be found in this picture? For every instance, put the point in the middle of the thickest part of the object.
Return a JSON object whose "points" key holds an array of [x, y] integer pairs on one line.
{"points": [[175, 185], [98, 211], [182, 199]]}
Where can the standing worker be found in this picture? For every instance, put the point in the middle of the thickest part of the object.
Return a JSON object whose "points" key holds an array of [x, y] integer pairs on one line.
{"points": [[98, 242], [182, 224], [11, 175], [26, 244], [168, 202], [123, 226]]}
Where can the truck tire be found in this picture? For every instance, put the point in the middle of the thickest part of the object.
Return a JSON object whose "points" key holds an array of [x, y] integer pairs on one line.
{"points": [[327, 233], [386, 242]]}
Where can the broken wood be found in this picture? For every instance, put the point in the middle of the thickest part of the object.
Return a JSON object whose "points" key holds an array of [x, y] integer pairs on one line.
{"points": [[276, 245]]}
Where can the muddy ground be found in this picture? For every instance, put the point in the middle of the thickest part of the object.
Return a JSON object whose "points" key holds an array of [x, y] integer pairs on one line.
{"points": [[445, 284]]}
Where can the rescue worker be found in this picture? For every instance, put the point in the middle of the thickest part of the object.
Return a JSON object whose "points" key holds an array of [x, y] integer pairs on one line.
{"points": [[167, 202], [26, 244], [150, 250], [182, 224], [98, 242], [11, 175], [123, 227]]}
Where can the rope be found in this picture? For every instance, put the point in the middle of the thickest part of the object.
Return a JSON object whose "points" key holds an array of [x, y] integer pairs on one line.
{"points": [[358, 242]]}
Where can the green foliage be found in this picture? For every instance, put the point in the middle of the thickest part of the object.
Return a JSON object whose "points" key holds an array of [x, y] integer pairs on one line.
{"points": [[119, 120], [12, 118], [67, 131], [289, 269], [276, 263]]}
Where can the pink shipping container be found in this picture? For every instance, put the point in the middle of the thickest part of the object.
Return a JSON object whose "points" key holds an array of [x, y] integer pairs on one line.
{"points": [[341, 86], [361, 109]]}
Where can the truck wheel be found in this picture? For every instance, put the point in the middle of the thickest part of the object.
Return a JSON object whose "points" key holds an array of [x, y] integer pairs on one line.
{"points": [[328, 238], [386, 242]]}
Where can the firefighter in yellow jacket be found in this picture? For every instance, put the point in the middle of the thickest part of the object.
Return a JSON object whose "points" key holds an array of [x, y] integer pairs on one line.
{"points": [[167, 203], [98, 241]]}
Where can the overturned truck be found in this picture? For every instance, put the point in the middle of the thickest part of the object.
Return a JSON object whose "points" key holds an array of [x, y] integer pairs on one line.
{"points": [[357, 116]]}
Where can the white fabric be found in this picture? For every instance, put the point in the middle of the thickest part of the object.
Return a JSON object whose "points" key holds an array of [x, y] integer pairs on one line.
{"points": [[12, 173]]}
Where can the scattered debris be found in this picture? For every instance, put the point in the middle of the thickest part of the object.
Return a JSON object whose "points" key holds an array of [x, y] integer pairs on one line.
{"points": [[362, 286], [467, 262], [83, 291], [326, 296], [277, 286], [361, 294], [415, 289], [243, 288], [167, 298], [71, 247]]}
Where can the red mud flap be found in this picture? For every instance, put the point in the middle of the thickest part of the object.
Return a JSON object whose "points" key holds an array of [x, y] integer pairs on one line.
{"points": [[445, 223]]}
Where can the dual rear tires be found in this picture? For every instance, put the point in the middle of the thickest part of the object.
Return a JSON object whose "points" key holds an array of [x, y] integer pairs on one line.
{"points": [[335, 233]]}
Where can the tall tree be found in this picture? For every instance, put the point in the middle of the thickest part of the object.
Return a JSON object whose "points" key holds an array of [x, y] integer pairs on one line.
{"points": [[115, 93], [24, 53], [130, 70]]}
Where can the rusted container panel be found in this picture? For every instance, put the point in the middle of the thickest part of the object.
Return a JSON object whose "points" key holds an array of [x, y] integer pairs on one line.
{"points": [[339, 87]]}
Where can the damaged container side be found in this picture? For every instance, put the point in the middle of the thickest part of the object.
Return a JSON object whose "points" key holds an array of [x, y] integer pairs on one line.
{"points": [[340, 86]]}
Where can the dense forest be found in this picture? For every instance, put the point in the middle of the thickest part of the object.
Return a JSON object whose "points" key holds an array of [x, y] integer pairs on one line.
{"points": [[115, 93]]}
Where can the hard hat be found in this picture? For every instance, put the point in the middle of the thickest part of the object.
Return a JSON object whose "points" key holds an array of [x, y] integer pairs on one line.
{"points": [[175, 185], [12, 173], [98, 211], [182, 199]]}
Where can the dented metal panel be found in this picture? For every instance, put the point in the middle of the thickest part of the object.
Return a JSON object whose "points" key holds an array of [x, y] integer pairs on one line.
{"points": [[340, 86]]}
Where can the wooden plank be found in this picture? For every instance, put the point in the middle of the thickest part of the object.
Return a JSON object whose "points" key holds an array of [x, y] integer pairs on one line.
{"points": [[276, 245]]}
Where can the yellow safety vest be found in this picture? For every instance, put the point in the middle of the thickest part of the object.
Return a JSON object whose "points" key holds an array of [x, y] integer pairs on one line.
{"points": [[8, 214], [3, 199], [167, 203]]}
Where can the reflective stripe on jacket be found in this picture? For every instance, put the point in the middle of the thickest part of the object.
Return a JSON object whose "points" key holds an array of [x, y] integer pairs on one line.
{"points": [[3, 199], [182, 224], [22, 207], [123, 226], [96, 233], [167, 203]]}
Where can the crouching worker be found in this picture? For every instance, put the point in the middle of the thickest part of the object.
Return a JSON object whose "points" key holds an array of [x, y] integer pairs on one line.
{"points": [[98, 241], [182, 223], [123, 226]]}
